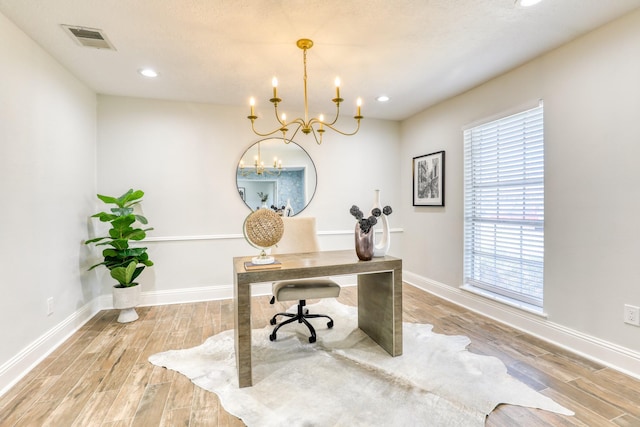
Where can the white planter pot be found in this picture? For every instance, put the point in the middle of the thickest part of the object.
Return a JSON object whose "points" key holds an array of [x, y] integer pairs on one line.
{"points": [[126, 299]]}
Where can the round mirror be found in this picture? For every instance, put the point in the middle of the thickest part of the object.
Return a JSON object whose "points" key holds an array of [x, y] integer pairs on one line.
{"points": [[276, 175]]}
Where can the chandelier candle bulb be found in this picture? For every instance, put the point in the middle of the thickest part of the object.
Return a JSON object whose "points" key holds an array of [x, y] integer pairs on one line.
{"points": [[252, 103], [274, 83], [337, 87], [359, 104]]}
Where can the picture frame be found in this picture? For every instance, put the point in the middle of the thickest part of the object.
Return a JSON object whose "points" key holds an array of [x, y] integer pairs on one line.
{"points": [[241, 191], [428, 179]]}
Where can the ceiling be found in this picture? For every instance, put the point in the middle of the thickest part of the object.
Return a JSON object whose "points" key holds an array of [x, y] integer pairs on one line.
{"points": [[418, 52]]}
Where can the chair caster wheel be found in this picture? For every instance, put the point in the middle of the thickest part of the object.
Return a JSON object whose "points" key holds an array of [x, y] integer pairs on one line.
{"points": [[272, 337], [273, 321], [312, 339], [330, 324]]}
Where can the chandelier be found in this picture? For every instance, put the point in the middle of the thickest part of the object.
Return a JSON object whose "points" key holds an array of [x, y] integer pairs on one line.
{"points": [[315, 126], [259, 167]]}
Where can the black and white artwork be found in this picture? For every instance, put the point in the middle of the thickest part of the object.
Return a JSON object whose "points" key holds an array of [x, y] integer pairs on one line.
{"points": [[428, 179]]}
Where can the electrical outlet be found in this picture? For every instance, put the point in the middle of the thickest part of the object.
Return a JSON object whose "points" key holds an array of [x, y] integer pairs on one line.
{"points": [[49, 306], [632, 315]]}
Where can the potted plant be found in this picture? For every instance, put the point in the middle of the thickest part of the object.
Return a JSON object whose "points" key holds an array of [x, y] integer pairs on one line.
{"points": [[123, 262]]}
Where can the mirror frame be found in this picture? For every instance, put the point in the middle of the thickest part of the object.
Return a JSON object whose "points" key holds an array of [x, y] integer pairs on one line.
{"points": [[312, 191]]}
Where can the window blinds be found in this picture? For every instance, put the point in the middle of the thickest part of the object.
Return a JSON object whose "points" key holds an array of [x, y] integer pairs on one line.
{"points": [[504, 206]]}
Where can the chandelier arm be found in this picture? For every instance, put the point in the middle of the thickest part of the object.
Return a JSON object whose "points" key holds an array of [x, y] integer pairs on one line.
{"points": [[335, 119], [313, 131], [275, 110], [264, 134], [295, 132], [344, 133]]}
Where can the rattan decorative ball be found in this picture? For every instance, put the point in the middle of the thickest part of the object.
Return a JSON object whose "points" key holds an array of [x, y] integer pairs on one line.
{"points": [[264, 228]]}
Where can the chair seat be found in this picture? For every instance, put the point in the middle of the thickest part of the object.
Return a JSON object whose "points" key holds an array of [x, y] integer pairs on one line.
{"points": [[296, 290]]}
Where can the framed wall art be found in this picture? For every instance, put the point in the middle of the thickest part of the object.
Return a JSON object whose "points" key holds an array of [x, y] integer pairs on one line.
{"points": [[428, 179]]}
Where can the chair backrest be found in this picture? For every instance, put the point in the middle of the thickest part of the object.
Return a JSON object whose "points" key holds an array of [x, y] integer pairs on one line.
{"points": [[299, 236]]}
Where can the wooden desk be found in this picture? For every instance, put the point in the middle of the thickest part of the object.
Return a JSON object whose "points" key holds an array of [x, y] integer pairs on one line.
{"points": [[379, 296]]}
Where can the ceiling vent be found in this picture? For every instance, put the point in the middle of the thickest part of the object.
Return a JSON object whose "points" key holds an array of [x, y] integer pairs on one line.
{"points": [[89, 37]]}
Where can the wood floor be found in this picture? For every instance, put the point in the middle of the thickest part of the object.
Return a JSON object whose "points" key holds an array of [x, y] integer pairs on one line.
{"points": [[101, 376]]}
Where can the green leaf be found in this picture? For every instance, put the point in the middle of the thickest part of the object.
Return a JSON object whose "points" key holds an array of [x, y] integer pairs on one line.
{"points": [[141, 219], [104, 217], [136, 252], [137, 272], [137, 234], [95, 265], [94, 240], [128, 198], [109, 253], [119, 243], [122, 211], [107, 199], [122, 222], [133, 196], [120, 201], [124, 275]]}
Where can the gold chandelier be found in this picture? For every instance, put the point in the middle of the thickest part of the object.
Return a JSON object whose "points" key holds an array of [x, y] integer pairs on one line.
{"points": [[259, 167], [315, 126]]}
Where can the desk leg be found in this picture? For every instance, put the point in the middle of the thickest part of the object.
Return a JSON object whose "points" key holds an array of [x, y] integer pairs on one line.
{"points": [[380, 308], [242, 323]]}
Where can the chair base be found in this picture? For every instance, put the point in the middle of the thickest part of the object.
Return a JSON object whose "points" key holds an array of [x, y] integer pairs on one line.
{"points": [[300, 317]]}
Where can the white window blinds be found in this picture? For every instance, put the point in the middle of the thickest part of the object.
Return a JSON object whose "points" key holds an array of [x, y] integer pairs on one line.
{"points": [[504, 206]]}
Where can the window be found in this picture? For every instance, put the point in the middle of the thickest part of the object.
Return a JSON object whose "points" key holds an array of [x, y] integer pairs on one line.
{"points": [[504, 206]]}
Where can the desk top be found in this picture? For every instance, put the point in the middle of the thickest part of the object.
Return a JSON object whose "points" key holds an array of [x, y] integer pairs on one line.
{"points": [[313, 264]]}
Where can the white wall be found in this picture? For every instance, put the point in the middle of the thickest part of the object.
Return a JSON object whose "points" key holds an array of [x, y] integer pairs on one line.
{"points": [[47, 181], [184, 156], [591, 93]]}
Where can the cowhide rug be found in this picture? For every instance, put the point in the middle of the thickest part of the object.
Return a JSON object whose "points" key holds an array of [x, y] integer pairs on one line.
{"points": [[345, 379]]}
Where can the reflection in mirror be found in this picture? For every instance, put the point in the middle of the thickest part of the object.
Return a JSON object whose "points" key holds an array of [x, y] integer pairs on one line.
{"points": [[276, 175]]}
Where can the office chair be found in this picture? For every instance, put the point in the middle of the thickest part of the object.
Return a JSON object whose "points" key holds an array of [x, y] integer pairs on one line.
{"points": [[299, 237]]}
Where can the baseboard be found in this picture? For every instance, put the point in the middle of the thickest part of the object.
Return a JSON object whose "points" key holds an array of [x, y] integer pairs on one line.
{"points": [[595, 349], [18, 366], [181, 296]]}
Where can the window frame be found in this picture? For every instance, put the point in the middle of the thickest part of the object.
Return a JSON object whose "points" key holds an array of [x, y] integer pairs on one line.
{"points": [[504, 177]]}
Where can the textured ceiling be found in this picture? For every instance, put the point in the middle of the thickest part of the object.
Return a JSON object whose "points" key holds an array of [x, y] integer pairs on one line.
{"points": [[418, 52]]}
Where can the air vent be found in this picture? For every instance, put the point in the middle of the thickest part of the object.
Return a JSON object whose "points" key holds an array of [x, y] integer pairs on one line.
{"points": [[89, 37]]}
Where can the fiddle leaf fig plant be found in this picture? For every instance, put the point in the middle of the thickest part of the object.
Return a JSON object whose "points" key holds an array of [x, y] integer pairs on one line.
{"points": [[124, 262]]}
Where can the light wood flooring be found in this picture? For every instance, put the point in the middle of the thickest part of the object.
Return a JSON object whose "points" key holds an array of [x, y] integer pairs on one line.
{"points": [[101, 376]]}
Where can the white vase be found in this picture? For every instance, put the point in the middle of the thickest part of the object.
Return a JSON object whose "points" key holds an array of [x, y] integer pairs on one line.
{"points": [[126, 299], [381, 247], [288, 210]]}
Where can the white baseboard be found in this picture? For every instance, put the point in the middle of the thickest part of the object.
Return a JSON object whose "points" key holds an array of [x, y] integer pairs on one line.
{"points": [[595, 349], [19, 365]]}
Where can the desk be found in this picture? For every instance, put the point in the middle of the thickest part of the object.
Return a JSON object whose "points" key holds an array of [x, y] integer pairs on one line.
{"points": [[379, 296]]}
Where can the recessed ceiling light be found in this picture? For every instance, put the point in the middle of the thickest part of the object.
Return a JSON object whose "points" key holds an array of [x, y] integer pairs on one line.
{"points": [[527, 3], [382, 98], [148, 72]]}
